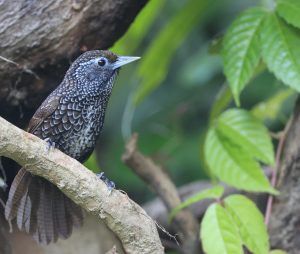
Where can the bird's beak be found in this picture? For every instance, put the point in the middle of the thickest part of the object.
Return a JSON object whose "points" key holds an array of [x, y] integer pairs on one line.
{"points": [[122, 60]]}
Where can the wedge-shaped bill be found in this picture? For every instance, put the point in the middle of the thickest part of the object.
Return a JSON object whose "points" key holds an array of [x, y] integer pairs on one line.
{"points": [[214, 192], [246, 131], [289, 10], [241, 49], [250, 223], [280, 50], [233, 165], [218, 232]]}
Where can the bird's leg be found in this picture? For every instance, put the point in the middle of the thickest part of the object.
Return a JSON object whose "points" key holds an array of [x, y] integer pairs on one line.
{"points": [[110, 184], [50, 144]]}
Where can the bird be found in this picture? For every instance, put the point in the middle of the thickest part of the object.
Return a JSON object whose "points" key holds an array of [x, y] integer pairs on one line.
{"points": [[70, 119]]}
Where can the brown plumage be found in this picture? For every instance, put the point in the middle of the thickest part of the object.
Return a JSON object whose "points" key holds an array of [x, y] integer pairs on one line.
{"points": [[71, 118]]}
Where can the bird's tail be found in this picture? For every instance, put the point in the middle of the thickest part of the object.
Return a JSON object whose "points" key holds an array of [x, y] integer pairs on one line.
{"points": [[41, 209]]}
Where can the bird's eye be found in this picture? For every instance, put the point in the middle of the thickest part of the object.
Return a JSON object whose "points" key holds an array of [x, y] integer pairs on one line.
{"points": [[102, 62]]}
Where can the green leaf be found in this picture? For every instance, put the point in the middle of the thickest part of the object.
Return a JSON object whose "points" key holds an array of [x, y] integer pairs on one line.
{"points": [[214, 192], [289, 10], [232, 165], [245, 130], [250, 223], [278, 252], [281, 51], [222, 100], [155, 62], [218, 232], [241, 49], [270, 109]]}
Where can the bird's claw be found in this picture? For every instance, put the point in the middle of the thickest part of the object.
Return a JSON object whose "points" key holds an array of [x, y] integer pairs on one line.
{"points": [[50, 144], [110, 184]]}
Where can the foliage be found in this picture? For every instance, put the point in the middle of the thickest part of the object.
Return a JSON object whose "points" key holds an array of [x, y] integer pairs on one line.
{"points": [[260, 42], [250, 223], [241, 49], [213, 193], [219, 234], [230, 149], [238, 222], [236, 138]]}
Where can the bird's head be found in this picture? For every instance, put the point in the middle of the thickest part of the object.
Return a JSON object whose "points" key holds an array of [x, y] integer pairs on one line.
{"points": [[95, 71]]}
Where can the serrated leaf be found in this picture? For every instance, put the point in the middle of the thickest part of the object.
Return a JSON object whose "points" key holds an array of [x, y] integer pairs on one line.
{"points": [[232, 165], [270, 109], [281, 51], [289, 10], [218, 232], [241, 49], [250, 223], [245, 130], [214, 192]]}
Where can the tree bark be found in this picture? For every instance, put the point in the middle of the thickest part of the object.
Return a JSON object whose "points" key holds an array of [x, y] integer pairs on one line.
{"points": [[285, 218], [135, 229], [42, 37]]}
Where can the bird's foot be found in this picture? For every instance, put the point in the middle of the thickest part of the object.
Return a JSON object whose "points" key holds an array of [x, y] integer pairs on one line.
{"points": [[50, 144], [110, 184]]}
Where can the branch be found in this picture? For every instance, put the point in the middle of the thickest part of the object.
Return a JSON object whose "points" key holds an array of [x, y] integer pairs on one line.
{"points": [[160, 183], [127, 220]]}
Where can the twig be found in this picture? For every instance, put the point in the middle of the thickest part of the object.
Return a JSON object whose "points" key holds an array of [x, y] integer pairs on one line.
{"points": [[120, 214], [276, 169], [173, 237], [160, 183], [20, 67]]}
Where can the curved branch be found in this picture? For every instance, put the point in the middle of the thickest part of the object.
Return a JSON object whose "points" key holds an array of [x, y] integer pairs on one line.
{"points": [[161, 184], [135, 229]]}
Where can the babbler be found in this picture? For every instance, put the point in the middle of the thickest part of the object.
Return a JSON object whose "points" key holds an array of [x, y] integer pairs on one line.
{"points": [[71, 119]]}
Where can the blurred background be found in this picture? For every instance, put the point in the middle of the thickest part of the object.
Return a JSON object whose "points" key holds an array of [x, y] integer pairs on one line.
{"points": [[167, 96]]}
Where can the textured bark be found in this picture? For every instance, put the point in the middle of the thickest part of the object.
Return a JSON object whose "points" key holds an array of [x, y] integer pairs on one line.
{"points": [[135, 229], [44, 36], [284, 225]]}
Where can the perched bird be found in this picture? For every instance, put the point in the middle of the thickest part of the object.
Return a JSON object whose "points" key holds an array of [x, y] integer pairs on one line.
{"points": [[71, 119]]}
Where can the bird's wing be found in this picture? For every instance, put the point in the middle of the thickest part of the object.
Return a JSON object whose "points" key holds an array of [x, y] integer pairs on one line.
{"points": [[45, 110]]}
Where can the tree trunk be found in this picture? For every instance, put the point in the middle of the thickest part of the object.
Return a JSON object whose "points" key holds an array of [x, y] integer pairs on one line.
{"points": [[285, 220]]}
